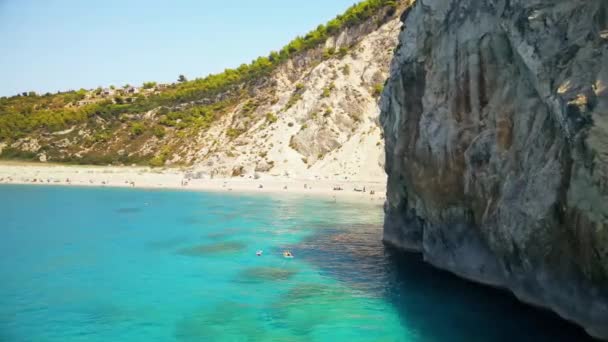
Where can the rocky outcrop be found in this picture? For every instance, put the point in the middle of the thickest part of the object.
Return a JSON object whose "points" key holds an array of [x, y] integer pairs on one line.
{"points": [[495, 118], [322, 121]]}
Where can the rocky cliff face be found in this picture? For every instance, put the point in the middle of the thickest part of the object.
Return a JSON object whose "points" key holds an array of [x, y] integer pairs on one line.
{"points": [[495, 118]]}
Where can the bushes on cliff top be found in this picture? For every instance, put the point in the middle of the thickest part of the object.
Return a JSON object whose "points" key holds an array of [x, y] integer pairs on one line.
{"points": [[21, 115]]}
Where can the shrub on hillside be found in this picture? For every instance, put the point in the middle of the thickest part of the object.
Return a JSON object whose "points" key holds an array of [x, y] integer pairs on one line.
{"points": [[137, 128]]}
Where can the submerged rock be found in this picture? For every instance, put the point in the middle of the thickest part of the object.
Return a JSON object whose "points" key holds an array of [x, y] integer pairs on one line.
{"points": [[224, 233], [214, 248], [311, 309], [495, 119], [128, 210], [230, 321], [167, 243], [266, 273]]}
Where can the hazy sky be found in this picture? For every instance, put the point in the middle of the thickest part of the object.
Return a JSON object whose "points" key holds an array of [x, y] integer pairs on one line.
{"points": [[50, 45]]}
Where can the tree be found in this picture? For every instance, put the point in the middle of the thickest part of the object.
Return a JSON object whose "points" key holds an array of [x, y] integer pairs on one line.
{"points": [[137, 128], [182, 79], [273, 57], [149, 85], [158, 131]]}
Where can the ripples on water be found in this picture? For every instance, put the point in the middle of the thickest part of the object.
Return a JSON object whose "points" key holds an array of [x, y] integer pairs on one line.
{"points": [[132, 265]]}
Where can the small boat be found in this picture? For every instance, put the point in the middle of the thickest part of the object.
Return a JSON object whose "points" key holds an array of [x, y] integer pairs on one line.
{"points": [[287, 254], [259, 252]]}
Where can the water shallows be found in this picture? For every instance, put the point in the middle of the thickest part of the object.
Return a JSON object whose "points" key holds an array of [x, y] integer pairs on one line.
{"points": [[81, 270]]}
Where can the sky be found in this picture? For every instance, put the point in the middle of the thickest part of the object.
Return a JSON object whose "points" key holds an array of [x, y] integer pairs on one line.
{"points": [[52, 45]]}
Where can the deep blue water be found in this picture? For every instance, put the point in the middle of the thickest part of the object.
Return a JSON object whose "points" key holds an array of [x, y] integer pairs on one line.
{"points": [[85, 264]]}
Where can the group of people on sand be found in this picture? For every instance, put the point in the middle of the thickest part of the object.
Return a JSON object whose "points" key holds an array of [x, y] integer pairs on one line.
{"points": [[40, 180], [339, 188], [66, 181]]}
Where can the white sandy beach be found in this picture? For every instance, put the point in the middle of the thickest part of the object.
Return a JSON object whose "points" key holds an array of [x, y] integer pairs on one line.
{"points": [[144, 177]]}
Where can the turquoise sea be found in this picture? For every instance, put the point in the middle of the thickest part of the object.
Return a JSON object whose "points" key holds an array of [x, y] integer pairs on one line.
{"points": [[86, 264]]}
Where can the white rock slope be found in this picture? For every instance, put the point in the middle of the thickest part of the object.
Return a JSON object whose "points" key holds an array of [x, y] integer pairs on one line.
{"points": [[322, 121]]}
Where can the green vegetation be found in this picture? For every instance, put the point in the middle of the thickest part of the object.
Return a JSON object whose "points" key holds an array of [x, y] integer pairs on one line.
{"points": [[249, 107], [328, 53], [148, 85], [198, 117], [233, 132], [327, 90], [17, 154], [293, 100], [158, 131], [160, 159], [157, 161], [102, 136], [137, 128], [377, 90], [346, 70], [271, 118]]}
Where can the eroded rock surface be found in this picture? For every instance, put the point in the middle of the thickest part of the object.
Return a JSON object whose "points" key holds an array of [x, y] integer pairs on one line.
{"points": [[495, 118]]}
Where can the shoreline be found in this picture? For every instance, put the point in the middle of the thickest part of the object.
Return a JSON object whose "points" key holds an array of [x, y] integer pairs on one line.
{"points": [[15, 173]]}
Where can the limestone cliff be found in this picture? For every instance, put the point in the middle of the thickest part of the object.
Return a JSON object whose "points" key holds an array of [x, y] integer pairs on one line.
{"points": [[495, 118]]}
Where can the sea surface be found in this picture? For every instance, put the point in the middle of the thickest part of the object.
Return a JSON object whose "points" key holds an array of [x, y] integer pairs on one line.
{"points": [[101, 264]]}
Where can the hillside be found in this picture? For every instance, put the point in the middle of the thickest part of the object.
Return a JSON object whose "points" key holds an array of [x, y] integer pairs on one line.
{"points": [[309, 109]]}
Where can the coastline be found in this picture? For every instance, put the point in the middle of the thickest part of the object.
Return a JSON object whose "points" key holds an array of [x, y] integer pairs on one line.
{"points": [[20, 173]]}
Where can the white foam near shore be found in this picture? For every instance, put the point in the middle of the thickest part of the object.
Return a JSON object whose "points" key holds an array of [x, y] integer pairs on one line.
{"points": [[144, 177]]}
